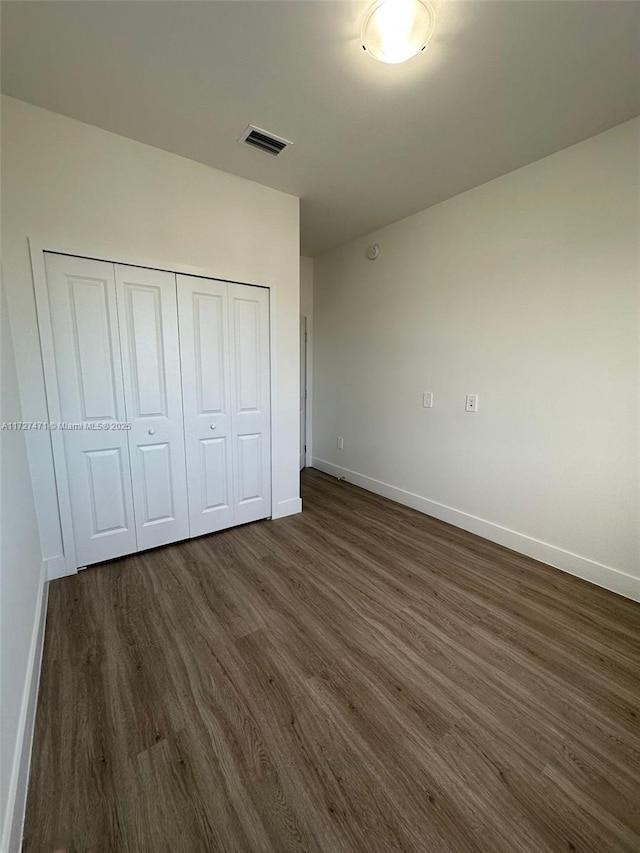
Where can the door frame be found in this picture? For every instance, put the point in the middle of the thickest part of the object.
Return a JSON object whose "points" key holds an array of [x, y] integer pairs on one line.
{"points": [[66, 563], [304, 377]]}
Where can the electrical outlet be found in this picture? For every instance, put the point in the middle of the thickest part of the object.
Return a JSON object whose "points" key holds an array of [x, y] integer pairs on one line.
{"points": [[340, 443], [471, 403], [427, 400]]}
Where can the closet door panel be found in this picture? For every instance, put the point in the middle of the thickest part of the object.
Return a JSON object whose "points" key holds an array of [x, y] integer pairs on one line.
{"points": [[157, 483], [82, 299], [151, 365], [251, 395], [215, 473], [250, 468], [107, 476], [204, 344]]}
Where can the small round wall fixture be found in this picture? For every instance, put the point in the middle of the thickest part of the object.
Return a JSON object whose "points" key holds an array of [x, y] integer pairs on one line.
{"points": [[373, 251], [395, 30]]}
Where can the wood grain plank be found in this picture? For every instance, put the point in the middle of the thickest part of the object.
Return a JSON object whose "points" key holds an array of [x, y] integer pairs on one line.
{"points": [[356, 678]]}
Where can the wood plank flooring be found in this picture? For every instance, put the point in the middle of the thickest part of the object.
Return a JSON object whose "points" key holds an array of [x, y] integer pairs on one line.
{"points": [[356, 678]]}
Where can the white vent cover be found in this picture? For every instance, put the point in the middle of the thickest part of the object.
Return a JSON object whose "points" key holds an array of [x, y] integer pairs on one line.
{"points": [[264, 140]]}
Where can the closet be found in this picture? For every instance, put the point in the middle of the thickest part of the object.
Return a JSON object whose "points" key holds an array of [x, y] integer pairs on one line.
{"points": [[164, 394]]}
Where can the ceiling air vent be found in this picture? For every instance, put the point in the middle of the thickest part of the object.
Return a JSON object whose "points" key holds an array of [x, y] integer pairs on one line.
{"points": [[265, 141]]}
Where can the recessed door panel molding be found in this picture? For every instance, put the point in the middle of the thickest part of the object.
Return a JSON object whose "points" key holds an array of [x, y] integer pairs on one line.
{"points": [[249, 468], [206, 384], [84, 325], [210, 350], [148, 318], [250, 394], [106, 489], [246, 319], [143, 323], [157, 486], [216, 482], [88, 299]]}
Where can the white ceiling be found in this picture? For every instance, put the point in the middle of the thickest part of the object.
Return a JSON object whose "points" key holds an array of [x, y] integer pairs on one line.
{"points": [[501, 85]]}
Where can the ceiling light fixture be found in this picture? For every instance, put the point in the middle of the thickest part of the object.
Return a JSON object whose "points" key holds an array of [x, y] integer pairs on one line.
{"points": [[395, 30]]}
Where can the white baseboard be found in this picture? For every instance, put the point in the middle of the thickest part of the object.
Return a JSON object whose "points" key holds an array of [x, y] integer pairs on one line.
{"points": [[57, 568], [292, 506], [596, 573], [19, 780]]}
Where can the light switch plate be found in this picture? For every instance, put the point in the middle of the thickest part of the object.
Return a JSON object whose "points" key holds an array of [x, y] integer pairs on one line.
{"points": [[427, 400]]}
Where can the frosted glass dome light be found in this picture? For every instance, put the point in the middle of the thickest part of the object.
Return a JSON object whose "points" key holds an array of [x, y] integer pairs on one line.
{"points": [[395, 30]]}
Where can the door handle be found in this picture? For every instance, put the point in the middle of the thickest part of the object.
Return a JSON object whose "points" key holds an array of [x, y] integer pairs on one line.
{"points": [[151, 431], [212, 426]]}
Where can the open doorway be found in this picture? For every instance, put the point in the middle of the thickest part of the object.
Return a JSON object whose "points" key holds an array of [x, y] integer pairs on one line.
{"points": [[303, 392]]}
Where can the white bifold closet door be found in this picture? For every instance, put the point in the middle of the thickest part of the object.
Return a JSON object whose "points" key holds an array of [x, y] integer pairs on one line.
{"points": [[84, 319], [224, 340], [183, 362], [148, 315]]}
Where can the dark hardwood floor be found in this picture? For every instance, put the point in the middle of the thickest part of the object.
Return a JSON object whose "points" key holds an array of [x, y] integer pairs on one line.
{"points": [[356, 678]]}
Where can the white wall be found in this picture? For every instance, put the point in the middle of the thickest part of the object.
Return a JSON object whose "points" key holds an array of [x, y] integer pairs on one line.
{"points": [[524, 291], [306, 310], [79, 189], [22, 603]]}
